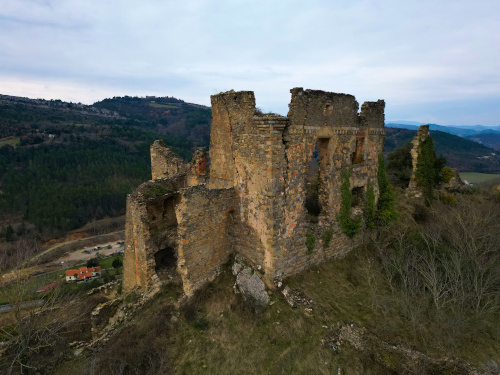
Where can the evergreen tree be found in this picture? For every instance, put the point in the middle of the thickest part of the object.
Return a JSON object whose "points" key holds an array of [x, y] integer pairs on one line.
{"points": [[349, 226], [386, 211], [370, 213], [9, 233], [428, 168]]}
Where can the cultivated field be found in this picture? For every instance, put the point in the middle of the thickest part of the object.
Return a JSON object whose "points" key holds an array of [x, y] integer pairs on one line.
{"points": [[478, 178]]}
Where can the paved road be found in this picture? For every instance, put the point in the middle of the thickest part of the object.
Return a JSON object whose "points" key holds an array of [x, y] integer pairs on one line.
{"points": [[24, 305]]}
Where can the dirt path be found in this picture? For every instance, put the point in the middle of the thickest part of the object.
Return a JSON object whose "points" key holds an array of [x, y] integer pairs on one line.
{"points": [[70, 242]]}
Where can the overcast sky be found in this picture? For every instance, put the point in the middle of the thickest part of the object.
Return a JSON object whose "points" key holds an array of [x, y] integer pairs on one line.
{"points": [[432, 61]]}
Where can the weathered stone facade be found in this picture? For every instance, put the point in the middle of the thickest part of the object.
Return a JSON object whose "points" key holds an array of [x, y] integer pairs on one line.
{"points": [[421, 136], [253, 202]]}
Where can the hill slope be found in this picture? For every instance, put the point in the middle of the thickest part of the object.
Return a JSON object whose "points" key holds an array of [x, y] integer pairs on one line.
{"points": [[462, 131], [63, 164], [460, 153], [73, 163], [487, 138]]}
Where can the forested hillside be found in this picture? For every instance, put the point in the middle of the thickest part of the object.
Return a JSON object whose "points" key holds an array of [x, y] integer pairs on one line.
{"points": [[63, 164], [460, 153]]}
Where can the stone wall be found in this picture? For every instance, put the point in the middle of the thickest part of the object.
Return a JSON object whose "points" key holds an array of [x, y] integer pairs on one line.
{"points": [[421, 136], [253, 203], [164, 162], [204, 216], [151, 226]]}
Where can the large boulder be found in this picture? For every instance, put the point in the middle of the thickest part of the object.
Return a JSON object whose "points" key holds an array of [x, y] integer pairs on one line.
{"points": [[252, 288]]}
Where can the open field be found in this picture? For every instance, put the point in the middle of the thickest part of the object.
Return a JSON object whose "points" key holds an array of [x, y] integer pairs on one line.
{"points": [[478, 178], [9, 141]]}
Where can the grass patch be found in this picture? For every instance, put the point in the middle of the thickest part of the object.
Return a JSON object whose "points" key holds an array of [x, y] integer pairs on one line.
{"points": [[108, 262], [478, 178], [155, 190], [10, 141]]}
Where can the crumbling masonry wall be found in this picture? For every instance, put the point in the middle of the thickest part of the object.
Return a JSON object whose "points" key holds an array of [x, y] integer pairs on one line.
{"points": [[421, 136], [204, 217], [253, 202]]}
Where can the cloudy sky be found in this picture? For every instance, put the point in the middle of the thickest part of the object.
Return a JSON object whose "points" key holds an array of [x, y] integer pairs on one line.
{"points": [[432, 61]]}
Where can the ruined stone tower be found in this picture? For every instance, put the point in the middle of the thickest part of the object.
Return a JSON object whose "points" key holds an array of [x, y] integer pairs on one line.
{"points": [[253, 201]]}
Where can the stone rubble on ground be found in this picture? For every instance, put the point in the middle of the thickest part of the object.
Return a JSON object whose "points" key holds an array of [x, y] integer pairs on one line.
{"points": [[296, 298], [362, 340]]}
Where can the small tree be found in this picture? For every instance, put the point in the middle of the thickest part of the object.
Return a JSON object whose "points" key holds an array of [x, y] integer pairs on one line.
{"points": [[349, 226], [428, 169], [386, 211], [399, 166], [9, 233], [35, 325], [92, 262], [370, 213], [117, 263]]}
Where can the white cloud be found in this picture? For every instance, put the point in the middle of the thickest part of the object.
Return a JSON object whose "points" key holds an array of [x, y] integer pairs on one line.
{"points": [[405, 52]]}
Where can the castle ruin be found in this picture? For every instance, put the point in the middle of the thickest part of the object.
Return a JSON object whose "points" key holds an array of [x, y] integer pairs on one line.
{"points": [[253, 201]]}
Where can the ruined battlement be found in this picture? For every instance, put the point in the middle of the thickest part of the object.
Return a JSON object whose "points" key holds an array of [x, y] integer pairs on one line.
{"points": [[256, 201]]}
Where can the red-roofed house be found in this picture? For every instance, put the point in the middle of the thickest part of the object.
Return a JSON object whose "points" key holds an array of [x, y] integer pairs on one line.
{"points": [[83, 274]]}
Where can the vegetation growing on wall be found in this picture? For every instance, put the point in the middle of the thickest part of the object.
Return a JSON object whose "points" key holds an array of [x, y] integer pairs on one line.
{"points": [[349, 226], [447, 174], [310, 243], [370, 212], [327, 237]]}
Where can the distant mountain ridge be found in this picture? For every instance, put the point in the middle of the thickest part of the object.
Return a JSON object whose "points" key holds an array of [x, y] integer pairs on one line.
{"points": [[460, 130], [460, 153], [485, 135]]}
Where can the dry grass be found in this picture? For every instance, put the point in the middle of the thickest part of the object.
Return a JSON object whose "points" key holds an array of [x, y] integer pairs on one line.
{"points": [[217, 333]]}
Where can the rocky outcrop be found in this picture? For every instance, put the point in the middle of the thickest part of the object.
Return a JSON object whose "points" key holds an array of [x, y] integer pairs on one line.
{"points": [[102, 314], [251, 286]]}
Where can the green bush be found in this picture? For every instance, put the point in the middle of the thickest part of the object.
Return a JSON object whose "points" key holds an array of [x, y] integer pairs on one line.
{"points": [[117, 262], [92, 262], [400, 166], [156, 190], [370, 214], [447, 174], [386, 211], [349, 226], [429, 167], [448, 199], [327, 237], [310, 243]]}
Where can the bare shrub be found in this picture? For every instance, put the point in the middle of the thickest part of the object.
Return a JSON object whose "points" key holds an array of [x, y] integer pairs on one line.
{"points": [[447, 268], [40, 324]]}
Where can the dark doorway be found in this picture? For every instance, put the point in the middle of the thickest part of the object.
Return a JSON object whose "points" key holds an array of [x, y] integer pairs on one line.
{"points": [[165, 260], [317, 179], [358, 197], [312, 187]]}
